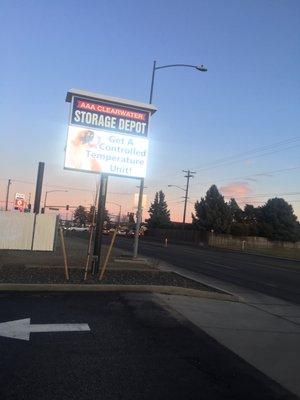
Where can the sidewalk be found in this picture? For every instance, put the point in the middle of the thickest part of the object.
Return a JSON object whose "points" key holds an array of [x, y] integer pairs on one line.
{"points": [[263, 330]]}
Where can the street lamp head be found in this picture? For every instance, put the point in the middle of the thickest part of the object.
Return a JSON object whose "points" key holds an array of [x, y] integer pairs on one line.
{"points": [[201, 68]]}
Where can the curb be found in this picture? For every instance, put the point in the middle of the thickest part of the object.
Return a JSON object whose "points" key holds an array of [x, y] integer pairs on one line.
{"points": [[170, 290]]}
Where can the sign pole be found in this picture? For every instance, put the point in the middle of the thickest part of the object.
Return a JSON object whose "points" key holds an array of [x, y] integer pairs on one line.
{"points": [[99, 223]]}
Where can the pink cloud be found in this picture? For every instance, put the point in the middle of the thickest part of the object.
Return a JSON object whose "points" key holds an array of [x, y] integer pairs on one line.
{"points": [[236, 189]]}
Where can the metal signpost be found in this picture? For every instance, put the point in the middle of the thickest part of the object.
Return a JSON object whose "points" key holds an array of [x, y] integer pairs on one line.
{"points": [[38, 189], [107, 136]]}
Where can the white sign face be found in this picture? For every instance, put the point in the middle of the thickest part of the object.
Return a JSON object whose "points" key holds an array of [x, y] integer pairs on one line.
{"points": [[20, 196], [98, 151]]}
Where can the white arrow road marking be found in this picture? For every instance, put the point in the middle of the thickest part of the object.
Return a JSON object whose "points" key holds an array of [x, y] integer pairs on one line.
{"points": [[21, 328]]}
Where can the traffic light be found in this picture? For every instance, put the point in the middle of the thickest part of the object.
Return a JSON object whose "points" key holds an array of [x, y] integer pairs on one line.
{"points": [[67, 207]]}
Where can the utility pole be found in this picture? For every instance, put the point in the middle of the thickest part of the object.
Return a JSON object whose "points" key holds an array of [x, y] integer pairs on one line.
{"points": [[189, 174], [7, 194], [38, 188]]}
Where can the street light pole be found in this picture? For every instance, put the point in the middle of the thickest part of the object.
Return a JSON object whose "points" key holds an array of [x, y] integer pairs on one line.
{"points": [[140, 203], [152, 81]]}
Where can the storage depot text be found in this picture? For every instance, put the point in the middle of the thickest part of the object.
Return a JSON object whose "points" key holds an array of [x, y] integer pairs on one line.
{"points": [[100, 115]]}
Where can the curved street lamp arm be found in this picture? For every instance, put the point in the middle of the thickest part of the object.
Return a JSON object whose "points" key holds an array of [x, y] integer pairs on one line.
{"points": [[198, 67], [178, 65]]}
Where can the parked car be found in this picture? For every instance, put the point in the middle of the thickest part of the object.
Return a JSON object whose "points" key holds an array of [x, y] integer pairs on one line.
{"points": [[131, 233], [79, 229], [121, 232]]}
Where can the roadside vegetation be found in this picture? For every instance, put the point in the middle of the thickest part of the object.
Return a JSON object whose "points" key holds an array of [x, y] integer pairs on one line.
{"points": [[275, 220]]}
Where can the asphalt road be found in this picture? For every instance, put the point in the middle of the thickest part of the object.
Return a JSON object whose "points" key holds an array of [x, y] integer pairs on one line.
{"points": [[135, 349], [274, 277]]}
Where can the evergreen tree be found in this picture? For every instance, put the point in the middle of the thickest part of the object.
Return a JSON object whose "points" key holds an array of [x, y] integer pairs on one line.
{"points": [[80, 216], [278, 221], [238, 226], [236, 212], [251, 214], [159, 213], [212, 212], [90, 213]]}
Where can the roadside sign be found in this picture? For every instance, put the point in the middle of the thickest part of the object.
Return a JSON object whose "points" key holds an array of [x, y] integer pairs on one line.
{"points": [[19, 201], [107, 134]]}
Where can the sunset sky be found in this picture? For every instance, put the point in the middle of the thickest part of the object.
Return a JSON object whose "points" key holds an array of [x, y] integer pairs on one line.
{"points": [[236, 126]]}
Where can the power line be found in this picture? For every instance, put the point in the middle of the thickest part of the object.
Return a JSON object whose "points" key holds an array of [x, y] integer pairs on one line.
{"points": [[263, 202], [263, 173], [64, 187], [243, 159], [265, 195], [237, 157]]}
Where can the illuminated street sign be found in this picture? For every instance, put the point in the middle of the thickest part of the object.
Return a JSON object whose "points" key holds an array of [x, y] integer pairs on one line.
{"points": [[101, 151], [107, 135]]}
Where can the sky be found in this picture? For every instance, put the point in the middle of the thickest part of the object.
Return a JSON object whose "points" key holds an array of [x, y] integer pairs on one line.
{"points": [[236, 125]]}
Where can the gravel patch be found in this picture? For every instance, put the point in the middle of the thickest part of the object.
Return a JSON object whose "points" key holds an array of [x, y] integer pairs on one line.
{"points": [[55, 275]]}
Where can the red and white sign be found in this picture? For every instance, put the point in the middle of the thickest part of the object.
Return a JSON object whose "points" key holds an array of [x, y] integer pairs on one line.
{"points": [[19, 201]]}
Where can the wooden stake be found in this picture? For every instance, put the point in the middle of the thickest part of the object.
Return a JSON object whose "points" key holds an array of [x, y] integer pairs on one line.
{"points": [[88, 254], [108, 254], [64, 252]]}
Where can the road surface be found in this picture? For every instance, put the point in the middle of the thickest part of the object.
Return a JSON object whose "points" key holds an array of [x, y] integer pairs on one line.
{"points": [[134, 349], [271, 276]]}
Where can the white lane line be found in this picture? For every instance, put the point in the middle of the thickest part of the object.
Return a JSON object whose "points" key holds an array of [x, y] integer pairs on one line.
{"points": [[220, 265]]}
